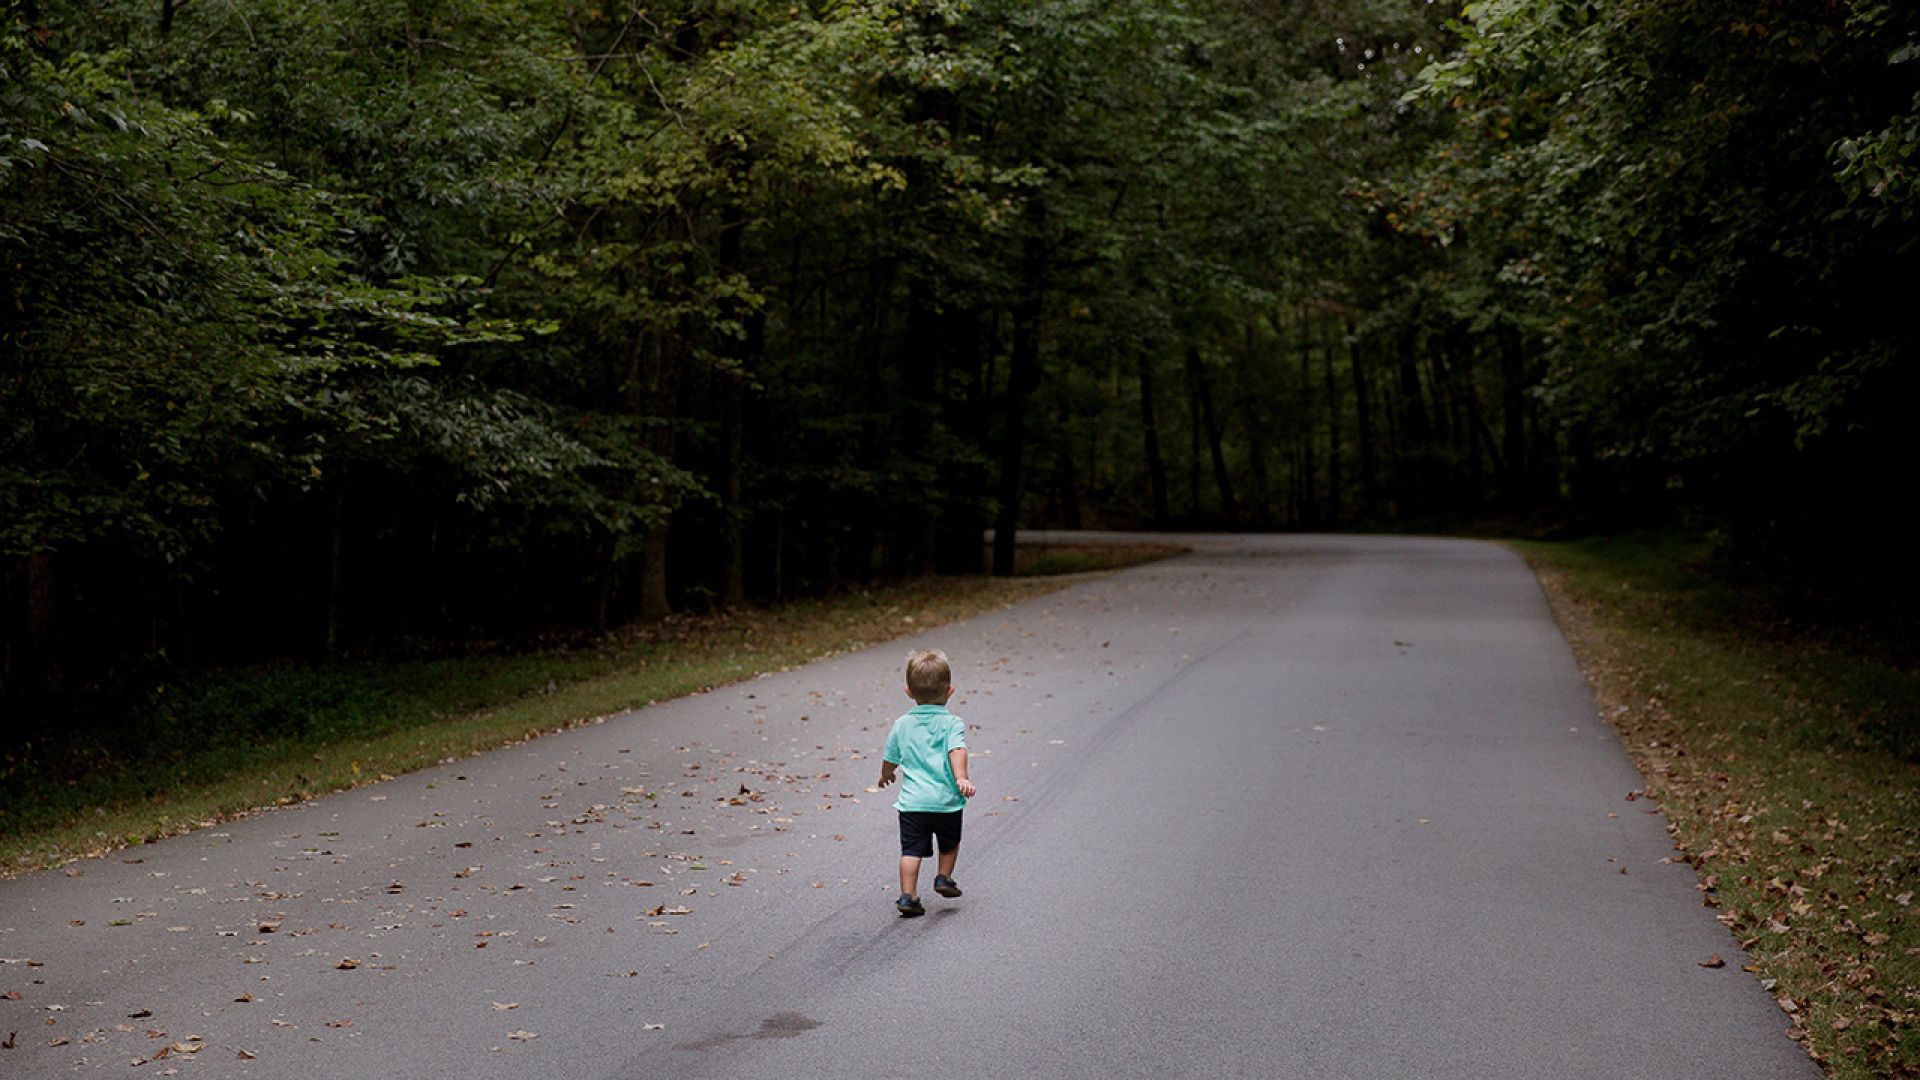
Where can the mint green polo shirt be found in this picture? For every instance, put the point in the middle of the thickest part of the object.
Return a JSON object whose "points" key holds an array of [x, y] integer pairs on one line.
{"points": [[919, 744]]}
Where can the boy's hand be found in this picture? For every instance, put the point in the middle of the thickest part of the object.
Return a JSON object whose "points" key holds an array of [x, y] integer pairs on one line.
{"points": [[886, 773], [965, 785]]}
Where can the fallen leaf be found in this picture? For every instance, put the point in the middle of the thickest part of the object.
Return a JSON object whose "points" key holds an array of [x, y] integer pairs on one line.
{"points": [[248, 1055], [347, 964], [655, 1027], [1713, 961], [141, 1015], [11, 995], [523, 1036], [503, 1006], [243, 999], [339, 1023]]}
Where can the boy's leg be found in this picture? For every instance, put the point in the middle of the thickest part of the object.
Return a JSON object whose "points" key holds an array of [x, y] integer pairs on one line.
{"points": [[947, 830], [916, 843]]}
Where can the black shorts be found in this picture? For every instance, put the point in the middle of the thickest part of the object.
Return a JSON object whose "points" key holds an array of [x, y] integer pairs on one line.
{"points": [[919, 828]]}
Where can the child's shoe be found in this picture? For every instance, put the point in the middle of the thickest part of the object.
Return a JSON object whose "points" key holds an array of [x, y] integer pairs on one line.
{"points": [[909, 905], [945, 885]]}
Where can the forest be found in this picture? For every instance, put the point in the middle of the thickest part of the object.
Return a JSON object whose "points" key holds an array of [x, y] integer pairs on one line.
{"points": [[334, 328]]}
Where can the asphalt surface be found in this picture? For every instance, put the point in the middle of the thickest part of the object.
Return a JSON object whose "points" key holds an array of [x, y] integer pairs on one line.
{"points": [[1284, 807]]}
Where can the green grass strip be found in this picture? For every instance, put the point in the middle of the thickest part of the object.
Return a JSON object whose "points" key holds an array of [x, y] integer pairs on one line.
{"points": [[1786, 757], [142, 763]]}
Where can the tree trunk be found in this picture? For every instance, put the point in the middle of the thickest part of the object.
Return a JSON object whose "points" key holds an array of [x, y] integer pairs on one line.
{"points": [[1256, 432], [1474, 436], [336, 572], [1513, 409], [43, 620], [1229, 506], [1156, 465], [653, 573], [733, 570], [780, 557], [1023, 378], [603, 607], [1412, 399], [965, 392], [180, 655], [661, 440], [1193, 451], [1308, 512], [1066, 478], [1363, 427], [733, 397], [920, 377], [1335, 494]]}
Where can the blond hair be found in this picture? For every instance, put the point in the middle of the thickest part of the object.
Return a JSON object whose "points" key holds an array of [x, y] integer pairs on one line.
{"points": [[928, 676]]}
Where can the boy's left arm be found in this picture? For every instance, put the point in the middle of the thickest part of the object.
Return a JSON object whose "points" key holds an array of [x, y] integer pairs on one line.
{"points": [[958, 756], [886, 773]]}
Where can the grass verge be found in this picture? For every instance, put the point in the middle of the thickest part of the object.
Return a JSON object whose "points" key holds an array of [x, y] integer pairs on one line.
{"points": [[140, 764], [1045, 560], [1787, 760]]}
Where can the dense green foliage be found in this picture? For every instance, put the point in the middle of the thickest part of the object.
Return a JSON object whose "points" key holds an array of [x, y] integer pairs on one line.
{"points": [[351, 325]]}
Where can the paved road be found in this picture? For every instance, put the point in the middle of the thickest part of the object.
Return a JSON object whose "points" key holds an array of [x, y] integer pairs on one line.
{"points": [[1285, 807]]}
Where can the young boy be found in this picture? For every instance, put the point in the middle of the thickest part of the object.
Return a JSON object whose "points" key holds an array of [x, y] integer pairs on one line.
{"points": [[928, 747]]}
